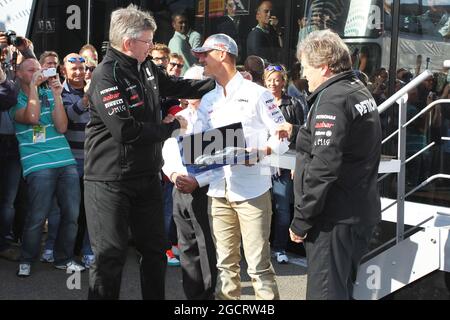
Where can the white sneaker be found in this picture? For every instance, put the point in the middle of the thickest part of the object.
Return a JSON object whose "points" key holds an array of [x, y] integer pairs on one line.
{"points": [[71, 266], [24, 270], [176, 250], [281, 256], [88, 260]]}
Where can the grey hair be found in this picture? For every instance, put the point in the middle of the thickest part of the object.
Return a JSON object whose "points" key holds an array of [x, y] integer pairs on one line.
{"points": [[325, 47], [129, 22]]}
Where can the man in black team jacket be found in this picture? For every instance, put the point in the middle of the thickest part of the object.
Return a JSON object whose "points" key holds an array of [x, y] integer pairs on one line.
{"points": [[337, 203], [123, 155]]}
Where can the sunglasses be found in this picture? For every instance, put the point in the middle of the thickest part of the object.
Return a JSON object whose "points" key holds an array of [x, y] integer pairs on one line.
{"points": [[75, 59], [179, 65], [91, 69], [274, 68], [160, 58]]}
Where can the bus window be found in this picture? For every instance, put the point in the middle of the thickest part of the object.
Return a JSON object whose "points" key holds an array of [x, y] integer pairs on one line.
{"points": [[366, 57], [59, 26], [241, 21], [348, 18]]}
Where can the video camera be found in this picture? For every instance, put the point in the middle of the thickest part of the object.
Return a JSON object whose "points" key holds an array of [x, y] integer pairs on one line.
{"points": [[12, 39]]}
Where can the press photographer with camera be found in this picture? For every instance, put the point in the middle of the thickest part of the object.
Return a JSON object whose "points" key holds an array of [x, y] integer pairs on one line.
{"points": [[11, 49]]}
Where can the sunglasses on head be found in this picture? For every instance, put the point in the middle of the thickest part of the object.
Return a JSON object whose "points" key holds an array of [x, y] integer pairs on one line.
{"points": [[91, 69], [179, 65], [75, 59], [274, 68]]}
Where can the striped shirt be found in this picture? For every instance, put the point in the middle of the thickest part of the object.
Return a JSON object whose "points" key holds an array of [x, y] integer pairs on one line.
{"points": [[41, 146], [78, 117]]}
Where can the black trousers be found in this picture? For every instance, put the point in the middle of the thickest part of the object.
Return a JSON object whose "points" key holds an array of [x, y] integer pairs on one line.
{"points": [[112, 208], [334, 252], [197, 251]]}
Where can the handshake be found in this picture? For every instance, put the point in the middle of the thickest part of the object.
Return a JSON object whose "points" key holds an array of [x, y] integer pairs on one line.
{"points": [[170, 118]]}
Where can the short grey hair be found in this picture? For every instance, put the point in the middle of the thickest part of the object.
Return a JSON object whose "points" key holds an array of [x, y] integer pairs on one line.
{"points": [[325, 47], [129, 22]]}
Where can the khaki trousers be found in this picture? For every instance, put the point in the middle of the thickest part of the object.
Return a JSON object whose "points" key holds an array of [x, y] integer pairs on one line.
{"points": [[250, 220]]}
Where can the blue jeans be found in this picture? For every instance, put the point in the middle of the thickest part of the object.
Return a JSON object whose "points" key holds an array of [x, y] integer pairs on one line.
{"points": [[54, 216], [10, 171], [169, 224], [283, 195], [43, 185]]}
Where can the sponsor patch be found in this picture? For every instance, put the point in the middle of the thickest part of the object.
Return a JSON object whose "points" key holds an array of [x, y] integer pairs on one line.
{"points": [[140, 103], [269, 101], [111, 96], [113, 103], [134, 97], [275, 112], [327, 133], [117, 109], [280, 119], [131, 87], [324, 125], [325, 117], [366, 106], [272, 106], [108, 90], [149, 75], [322, 142], [242, 100]]}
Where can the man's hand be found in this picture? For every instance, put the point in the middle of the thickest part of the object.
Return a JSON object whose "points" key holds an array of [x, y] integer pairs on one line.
{"points": [[168, 119], [183, 122], [284, 130], [38, 78], [296, 238], [24, 45], [86, 87], [55, 85], [186, 184], [273, 20]]}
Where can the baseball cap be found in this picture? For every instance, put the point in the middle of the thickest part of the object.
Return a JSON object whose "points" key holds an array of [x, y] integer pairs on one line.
{"points": [[219, 41]]}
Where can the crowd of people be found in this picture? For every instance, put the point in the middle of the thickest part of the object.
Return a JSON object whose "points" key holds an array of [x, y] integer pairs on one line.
{"points": [[90, 153]]}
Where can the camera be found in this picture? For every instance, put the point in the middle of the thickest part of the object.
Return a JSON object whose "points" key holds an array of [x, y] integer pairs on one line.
{"points": [[12, 39], [50, 72]]}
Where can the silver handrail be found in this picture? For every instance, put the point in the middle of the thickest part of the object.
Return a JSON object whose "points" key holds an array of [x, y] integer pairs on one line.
{"points": [[401, 97], [400, 93], [424, 110], [423, 184]]}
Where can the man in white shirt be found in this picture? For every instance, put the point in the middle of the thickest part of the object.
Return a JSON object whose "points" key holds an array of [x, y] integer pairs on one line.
{"points": [[241, 204], [190, 209]]}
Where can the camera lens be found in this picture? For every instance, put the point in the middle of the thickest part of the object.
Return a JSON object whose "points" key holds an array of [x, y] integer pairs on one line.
{"points": [[11, 37]]}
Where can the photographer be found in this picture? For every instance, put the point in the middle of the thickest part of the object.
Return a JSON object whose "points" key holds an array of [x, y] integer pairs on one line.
{"points": [[265, 39], [10, 168]]}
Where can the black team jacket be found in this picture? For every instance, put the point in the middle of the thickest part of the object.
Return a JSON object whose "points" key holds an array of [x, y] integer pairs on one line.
{"points": [[338, 153], [125, 133]]}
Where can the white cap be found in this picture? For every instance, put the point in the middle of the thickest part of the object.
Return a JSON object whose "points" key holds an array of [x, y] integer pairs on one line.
{"points": [[219, 41]]}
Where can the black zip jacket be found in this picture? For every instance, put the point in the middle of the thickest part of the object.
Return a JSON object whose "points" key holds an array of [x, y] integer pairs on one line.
{"points": [[125, 133], [338, 153], [292, 110]]}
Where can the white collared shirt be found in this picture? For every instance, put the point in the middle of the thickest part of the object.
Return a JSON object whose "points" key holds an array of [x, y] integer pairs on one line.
{"points": [[254, 107]]}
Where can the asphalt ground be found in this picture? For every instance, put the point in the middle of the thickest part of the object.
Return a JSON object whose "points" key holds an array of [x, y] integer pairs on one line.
{"points": [[48, 283]]}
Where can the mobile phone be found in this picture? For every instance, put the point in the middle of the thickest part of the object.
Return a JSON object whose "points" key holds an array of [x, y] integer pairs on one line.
{"points": [[50, 72]]}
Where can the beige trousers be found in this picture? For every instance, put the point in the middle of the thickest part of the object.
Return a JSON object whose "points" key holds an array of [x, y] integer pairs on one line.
{"points": [[250, 220]]}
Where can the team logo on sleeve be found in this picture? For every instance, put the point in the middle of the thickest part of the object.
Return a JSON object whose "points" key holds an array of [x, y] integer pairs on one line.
{"points": [[366, 106]]}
